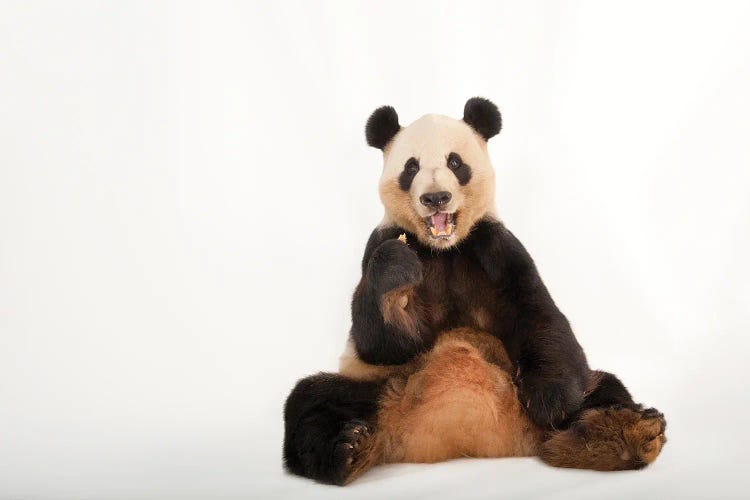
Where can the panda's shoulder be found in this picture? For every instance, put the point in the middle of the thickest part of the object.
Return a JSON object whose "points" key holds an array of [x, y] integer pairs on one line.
{"points": [[492, 236]]}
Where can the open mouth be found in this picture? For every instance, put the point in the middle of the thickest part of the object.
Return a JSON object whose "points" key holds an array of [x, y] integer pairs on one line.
{"points": [[440, 225]]}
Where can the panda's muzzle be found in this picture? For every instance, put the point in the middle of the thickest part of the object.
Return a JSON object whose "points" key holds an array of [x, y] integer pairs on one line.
{"points": [[440, 225]]}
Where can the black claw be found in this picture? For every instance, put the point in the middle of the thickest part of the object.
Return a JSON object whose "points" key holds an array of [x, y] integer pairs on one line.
{"points": [[353, 433], [354, 430], [349, 439]]}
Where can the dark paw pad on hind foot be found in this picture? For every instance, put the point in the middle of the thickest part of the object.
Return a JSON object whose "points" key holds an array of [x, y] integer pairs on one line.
{"points": [[351, 449]]}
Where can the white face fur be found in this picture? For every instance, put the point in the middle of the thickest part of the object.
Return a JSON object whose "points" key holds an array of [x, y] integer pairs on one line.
{"points": [[447, 151]]}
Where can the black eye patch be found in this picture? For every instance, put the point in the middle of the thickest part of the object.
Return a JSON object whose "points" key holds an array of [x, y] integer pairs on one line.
{"points": [[460, 169], [411, 167]]}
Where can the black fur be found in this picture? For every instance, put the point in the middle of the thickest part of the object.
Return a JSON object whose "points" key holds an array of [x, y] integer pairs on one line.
{"points": [[381, 127], [483, 116], [388, 264], [552, 371], [490, 269], [318, 417], [462, 171], [551, 366], [411, 167], [609, 392]]}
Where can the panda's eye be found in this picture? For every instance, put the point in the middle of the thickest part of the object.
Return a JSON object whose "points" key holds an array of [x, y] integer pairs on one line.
{"points": [[412, 166], [454, 161]]}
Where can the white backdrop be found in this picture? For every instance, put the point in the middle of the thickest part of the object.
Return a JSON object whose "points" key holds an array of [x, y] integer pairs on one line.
{"points": [[185, 195]]}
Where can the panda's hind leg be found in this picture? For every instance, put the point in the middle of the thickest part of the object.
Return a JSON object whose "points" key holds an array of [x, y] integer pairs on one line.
{"points": [[610, 432], [330, 428]]}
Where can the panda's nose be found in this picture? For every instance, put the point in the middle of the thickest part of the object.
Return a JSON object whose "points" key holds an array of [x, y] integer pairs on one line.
{"points": [[435, 200]]}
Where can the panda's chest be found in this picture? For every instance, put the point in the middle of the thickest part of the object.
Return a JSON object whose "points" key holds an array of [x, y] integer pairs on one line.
{"points": [[456, 292]]}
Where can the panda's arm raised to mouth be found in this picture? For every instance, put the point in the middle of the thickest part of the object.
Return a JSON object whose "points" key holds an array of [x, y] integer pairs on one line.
{"points": [[552, 371], [386, 328]]}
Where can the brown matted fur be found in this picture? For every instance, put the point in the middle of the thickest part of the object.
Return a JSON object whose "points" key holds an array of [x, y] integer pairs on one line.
{"points": [[607, 439], [456, 400], [459, 400], [398, 308]]}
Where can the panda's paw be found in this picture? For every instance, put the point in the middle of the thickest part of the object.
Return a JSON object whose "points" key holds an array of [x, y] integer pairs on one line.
{"points": [[650, 432], [351, 451], [616, 438], [393, 265], [548, 402]]}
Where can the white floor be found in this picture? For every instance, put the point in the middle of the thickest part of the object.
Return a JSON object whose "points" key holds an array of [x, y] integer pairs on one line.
{"points": [[227, 445], [703, 461]]}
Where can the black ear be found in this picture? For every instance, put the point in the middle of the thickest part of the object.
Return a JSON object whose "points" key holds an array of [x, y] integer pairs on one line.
{"points": [[381, 127], [483, 116]]}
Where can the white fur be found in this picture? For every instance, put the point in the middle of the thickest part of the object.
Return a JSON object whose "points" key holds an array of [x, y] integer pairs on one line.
{"points": [[430, 140]]}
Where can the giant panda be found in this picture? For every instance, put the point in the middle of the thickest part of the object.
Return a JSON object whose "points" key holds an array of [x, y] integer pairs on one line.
{"points": [[456, 348]]}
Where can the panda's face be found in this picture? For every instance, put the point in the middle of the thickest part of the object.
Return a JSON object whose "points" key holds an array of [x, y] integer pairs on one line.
{"points": [[437, 179]]}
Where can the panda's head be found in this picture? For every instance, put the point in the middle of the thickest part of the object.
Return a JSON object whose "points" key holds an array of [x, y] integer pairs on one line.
{"points": [[437, 179]]}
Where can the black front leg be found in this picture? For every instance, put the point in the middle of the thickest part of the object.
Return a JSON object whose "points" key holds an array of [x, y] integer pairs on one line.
{"points": [[552, 375], [552, 372], [386, 327]]}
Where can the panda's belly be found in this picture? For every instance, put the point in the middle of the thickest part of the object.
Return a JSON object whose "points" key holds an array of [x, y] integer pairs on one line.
{"points": [[455, 404]]}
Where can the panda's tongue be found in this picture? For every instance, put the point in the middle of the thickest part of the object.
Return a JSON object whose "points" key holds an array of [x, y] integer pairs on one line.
{"points": [[440, 221]]}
